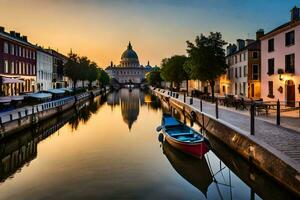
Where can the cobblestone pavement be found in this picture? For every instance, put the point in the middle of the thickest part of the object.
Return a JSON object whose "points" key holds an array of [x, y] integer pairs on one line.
{"points": [[285, 140]]}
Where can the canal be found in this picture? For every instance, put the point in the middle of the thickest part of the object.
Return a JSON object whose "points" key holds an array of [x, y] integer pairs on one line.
{"points": [[108, 148]]}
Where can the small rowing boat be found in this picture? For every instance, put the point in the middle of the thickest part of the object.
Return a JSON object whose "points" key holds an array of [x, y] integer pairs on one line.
{"points": [[183, 137]]}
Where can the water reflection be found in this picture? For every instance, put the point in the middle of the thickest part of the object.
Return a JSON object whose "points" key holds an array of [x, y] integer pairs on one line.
{"points": [[130, 102], [18, 151], [195, 171], [85, 111]]}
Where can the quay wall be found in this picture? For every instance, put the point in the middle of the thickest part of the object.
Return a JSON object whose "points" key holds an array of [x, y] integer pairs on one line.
{"points": [[17, 120], [258, 153]]}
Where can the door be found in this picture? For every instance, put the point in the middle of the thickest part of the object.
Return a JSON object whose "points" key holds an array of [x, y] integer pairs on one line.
{"points": [[290, 93]]}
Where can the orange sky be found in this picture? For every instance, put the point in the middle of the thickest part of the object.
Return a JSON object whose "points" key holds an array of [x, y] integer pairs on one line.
{"points": [[101, 29]]}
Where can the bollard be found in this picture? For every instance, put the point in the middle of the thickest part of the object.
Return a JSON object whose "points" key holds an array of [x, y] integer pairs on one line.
{"points": [[191, 101], [252, 113], [217, 108], [201, 104], [278, 113], [184, 97]]}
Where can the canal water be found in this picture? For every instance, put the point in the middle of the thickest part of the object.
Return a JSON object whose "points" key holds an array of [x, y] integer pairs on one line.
{"points": [[108, 148]]}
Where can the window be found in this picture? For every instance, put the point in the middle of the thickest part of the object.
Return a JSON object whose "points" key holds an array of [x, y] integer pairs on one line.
{"points": [[228, 74], [290, 63], [12, 49], [255, 55], [20, 68], [244, 88], [6, 66], [271, 95], [12, 67], [5, 47], [33, 68], [245, 56], [20, 51], [271, 66], [236, 73], [235, 88], [271, 45], [290, 38], [240, 57], [245, 71], [255, 72], [240, 69], [240, 84], [235, 59]]}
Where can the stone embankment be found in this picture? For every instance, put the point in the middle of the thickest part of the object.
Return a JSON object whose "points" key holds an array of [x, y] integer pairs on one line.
{"points": [[21, 118]]}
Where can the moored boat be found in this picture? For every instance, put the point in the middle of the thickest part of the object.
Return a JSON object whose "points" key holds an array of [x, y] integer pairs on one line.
{"points": [[183, 137]]}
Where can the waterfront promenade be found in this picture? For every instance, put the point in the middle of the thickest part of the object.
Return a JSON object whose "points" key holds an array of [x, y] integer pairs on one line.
{"points": [[282, 139], [273, 149]]}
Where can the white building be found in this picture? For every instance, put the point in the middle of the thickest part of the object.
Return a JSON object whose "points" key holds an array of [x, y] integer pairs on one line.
{"points": [[129, 71], [44, 70], [281, 62]]}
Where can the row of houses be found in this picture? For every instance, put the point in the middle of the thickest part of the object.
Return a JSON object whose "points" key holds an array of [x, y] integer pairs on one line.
{"points": [[26, 68], [266, 68]]}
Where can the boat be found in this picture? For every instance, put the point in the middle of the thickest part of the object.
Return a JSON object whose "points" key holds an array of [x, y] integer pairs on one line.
{"points": [[195, 171], [183, 137]]}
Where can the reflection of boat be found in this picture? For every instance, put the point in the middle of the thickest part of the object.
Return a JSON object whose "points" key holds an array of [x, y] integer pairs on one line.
{"points": [[183, 137], [194, 170]]}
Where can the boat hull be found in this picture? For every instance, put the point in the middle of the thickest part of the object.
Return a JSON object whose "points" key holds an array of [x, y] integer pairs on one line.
{"points": [[194, 149]]}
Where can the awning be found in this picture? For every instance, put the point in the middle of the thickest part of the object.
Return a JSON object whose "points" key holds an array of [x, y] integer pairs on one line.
{"points": [[6, 80], [5, 99], [67, 89], [55, 91], [40, 95]]}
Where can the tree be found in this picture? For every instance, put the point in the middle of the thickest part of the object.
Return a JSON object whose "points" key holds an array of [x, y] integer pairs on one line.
{"points": [[172, 70], [103, 78], [206, 58], [72, 68], [84, 64], [154, 78], [92, 73]]}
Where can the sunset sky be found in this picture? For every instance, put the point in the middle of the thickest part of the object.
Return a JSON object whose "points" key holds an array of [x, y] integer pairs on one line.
{"points": [[101, 29]]}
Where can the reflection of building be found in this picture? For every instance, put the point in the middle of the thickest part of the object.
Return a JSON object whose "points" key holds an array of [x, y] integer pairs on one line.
{"points": [[281, 61], [130, 102], [129, 70]]}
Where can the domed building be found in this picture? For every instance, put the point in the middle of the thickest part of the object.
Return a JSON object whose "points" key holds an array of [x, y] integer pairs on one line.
{"points": [[129, 71]]}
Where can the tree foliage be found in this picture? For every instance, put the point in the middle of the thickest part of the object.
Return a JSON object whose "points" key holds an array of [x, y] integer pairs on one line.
{"points": [[103, 78], [154, 78], [206, 58], [173, 69], [81, 68]]}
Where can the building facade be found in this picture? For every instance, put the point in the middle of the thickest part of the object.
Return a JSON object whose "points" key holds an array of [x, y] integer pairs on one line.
{"points": [[129, 71], [17, 64], [59, 60], [44, 70], [243, 75], [281, 62]]}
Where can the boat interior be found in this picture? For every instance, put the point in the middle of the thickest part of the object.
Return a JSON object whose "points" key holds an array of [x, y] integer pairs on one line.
{"points": [[183, 133]]}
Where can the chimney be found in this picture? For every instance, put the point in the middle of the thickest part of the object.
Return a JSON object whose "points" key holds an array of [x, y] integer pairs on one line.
{"points": [[111, 64], [240, 44], [24, 38], [295, 14], [231, 48], [249, 41], [259, 33], [18, 35], [2, 29], [12, 33]]}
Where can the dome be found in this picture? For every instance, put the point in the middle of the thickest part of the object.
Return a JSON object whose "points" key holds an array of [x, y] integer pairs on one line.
{"points": [[129, 58], [129, 53]]}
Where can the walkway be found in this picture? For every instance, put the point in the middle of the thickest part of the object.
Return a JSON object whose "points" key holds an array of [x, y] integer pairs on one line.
{"points": [[285, 140]]}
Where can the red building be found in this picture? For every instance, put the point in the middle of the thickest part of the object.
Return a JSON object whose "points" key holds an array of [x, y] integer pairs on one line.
{"points": [[17, 64]]}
